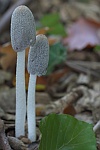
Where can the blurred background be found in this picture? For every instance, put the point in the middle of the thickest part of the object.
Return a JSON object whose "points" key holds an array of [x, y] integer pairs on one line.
{"points": [[73, 31]]}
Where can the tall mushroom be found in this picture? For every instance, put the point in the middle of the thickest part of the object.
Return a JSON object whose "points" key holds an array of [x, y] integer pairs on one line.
{"points": [[37, 64], [23, 34]]}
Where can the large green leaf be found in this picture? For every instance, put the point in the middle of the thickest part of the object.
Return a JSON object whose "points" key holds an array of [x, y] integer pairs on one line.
{"points": [[64, 132], [57, 55]]}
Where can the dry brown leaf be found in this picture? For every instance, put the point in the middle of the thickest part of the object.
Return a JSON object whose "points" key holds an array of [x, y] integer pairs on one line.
{"points": [[83, 33], [52, 41], [8, 58], [69, 110], [39, 109], [41, 83], [43, 30], [55, 76], [26, 55]]}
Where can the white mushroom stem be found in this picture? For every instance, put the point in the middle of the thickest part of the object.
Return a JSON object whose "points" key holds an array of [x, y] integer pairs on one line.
{"points": [[31, 108], [37, 63], [20, 95]]}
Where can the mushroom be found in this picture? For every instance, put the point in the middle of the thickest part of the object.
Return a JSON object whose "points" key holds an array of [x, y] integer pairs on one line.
{"points": [[37, 64], [23, 34]]}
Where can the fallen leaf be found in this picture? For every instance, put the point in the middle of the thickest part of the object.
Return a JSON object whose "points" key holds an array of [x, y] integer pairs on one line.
{"points": [[52, 41], [57, 75], [39, 109], [26, 55], [83, 33], [43, 30], [8, 56], [41, 83], [26, 79], [69, 110]]}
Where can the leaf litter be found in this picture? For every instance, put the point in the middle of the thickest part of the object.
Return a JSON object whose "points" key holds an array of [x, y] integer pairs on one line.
{"points": [[78, 75]]}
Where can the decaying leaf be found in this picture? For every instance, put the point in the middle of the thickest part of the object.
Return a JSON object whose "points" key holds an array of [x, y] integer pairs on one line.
{"points": [[8, 58], [70, 110], [43, 30], [57, 75], [83, 33]]}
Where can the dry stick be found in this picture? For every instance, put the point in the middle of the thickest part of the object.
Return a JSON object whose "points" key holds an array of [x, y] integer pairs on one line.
{"points": [[3, 139], [83, 69], [6, 17], [88, 64], [97, 126], [59, 105]]}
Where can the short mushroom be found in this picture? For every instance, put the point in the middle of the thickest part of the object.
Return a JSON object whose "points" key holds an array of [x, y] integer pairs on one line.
{"points": [[37, 64], [23, 34]]}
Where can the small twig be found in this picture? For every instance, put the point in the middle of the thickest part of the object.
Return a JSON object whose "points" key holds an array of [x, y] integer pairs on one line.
{"points": [[97, 126], [83, 68], [59, 105], [6, 17], [3, 139], [88, 64]]}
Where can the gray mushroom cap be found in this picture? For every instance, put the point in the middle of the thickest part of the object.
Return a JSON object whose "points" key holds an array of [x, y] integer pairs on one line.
{"points": [[23, 30], [39, 56]]}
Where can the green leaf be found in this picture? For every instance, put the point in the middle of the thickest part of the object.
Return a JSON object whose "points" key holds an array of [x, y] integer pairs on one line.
{"points": [[53, 22], [64, 132], [50, 19], [57, 55], [57, 29], [97, 48]]}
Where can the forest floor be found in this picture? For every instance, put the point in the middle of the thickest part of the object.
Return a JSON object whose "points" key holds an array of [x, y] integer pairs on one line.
{"points": [[75, 75]]}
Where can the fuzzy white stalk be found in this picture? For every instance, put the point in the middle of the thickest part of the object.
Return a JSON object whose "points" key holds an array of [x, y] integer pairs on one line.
{"points": [[31, 119], [20, 95]]}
